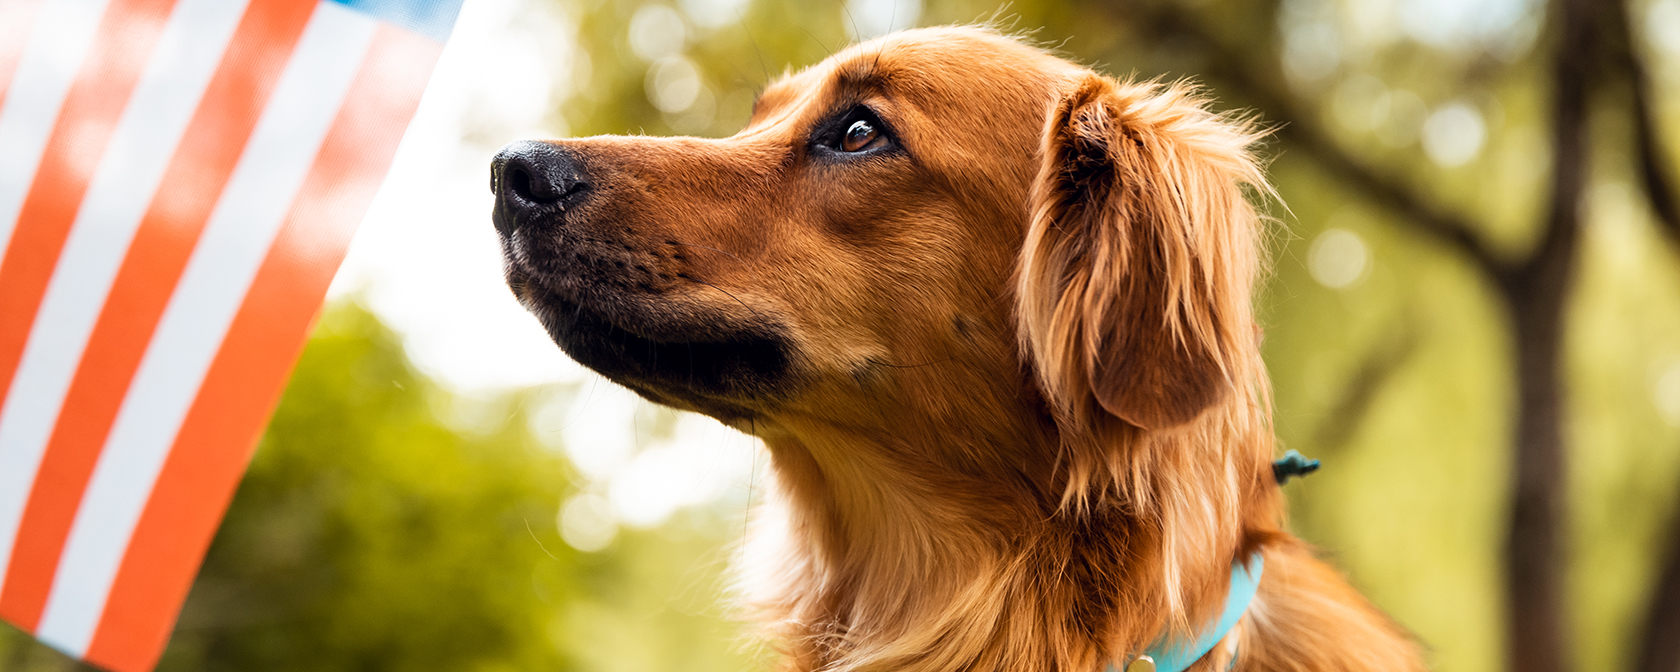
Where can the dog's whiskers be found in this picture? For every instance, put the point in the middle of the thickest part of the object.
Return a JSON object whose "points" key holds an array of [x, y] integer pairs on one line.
{"points": [[726, 293], [813, 37], [752, 477], [858, 34], [748, 30]]}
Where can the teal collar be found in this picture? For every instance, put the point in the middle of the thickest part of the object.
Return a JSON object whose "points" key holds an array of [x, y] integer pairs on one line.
{"points": [[1176, 656]]}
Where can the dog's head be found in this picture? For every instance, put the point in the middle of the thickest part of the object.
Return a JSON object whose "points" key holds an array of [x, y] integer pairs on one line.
{"points": [[943, 213]]}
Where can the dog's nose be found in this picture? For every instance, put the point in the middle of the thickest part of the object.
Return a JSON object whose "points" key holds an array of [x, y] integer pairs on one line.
{"points": [[530, 175]]}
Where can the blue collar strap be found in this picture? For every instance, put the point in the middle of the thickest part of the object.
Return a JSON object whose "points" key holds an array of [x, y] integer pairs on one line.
{"points": [[1166, 656]]}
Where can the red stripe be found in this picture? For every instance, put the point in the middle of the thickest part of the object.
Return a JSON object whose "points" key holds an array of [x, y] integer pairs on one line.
{"points": [[245, 380], [165, 239], [126, 36], [17, 18]]}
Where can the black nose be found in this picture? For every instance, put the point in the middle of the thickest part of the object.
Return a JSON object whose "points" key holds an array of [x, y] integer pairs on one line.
{"points": [[532, 179]]}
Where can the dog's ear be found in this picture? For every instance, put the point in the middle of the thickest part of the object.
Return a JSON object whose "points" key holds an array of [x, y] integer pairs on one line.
{"points": [[1134, 285]]}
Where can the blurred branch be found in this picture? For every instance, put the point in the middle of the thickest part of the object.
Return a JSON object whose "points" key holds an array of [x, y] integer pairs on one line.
{"points": [[1659, 651], [1259, 82], [1537, 293], [1656, 175]]}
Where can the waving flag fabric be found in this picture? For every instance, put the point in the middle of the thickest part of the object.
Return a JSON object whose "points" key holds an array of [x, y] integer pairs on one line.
{"points": [[179, 180]]}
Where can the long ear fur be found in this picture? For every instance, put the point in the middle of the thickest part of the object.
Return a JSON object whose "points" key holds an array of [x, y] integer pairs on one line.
{"points": [[1135, 279]]}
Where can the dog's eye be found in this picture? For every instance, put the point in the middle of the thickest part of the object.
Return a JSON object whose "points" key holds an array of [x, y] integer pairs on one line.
{"points": [[857, 132], [859, 136]]}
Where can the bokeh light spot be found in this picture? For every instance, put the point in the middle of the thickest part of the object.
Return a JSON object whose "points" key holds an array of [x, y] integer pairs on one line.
{"points": [[1662, 26], [1666, 395], [657, 31], [1311, 52], [1338, 258], [587, 523], [673, 84], [872, 18], [713, 14], [1454, 134]]}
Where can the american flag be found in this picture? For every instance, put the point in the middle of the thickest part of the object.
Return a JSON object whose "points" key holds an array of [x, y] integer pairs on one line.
{"points": [[179, 181]]}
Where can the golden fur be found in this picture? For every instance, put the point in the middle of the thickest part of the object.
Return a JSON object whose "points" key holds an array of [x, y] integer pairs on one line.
{"points": [[1007, 369]]}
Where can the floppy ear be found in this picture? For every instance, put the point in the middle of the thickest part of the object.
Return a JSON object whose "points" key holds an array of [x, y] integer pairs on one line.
{"points": [[1135, 279]]}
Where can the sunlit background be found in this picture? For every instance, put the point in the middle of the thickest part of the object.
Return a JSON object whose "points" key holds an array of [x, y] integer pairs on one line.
{"points": [[442, 489]]}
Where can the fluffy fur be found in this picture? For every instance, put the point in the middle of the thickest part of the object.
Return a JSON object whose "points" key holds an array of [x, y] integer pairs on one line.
{"points": [[1006, 364]]}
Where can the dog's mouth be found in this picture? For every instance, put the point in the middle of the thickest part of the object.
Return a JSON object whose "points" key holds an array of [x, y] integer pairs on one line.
{"points": [[634, 307], [676, 353]]}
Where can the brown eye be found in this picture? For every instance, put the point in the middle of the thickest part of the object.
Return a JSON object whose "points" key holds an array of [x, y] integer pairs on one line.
{"points": [[859, 136]]}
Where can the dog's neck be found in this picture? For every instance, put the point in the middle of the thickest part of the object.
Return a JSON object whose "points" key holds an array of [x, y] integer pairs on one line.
{"points": [[919, 549], [913, 504], [871, 554]]}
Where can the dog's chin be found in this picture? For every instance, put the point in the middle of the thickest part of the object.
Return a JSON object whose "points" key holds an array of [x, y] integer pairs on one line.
{"points": [[666, 354]]}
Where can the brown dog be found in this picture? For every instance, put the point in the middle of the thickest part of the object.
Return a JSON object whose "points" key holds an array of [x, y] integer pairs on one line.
{"points": [[990, 312]]}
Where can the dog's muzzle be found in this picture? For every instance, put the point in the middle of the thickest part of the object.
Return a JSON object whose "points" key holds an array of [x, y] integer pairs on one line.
{"points": [[534, 182]]}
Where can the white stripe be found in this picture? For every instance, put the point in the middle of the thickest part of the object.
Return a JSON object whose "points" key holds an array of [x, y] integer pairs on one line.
{"points": [[122, 186], [241, 229], [60, 41]]}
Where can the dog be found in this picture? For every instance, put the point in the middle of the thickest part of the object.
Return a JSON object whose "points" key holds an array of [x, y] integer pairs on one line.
{"points": [[990, 313]]}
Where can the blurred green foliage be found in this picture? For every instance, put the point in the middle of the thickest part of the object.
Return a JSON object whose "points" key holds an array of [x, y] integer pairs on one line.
{"points": [[370, 534]]}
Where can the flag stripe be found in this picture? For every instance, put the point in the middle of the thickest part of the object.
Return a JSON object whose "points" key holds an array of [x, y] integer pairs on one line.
{"points": [[17, 17], [235, 241], [166, 235], [136, 162], [59, 41], [225, 422], [200, 168], [124, 37]]}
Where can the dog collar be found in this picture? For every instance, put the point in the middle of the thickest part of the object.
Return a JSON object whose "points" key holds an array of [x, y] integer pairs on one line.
{"points": [[1165, 656]]}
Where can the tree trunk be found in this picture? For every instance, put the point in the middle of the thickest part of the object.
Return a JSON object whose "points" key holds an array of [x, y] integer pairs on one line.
{"points": [[1660, 651], [1536, 293], [1534, 559]]}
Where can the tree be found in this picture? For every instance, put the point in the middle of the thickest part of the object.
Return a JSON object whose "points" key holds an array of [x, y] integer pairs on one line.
{"points": [[1591, 50]]}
